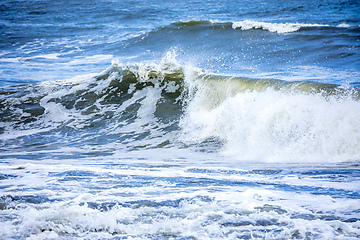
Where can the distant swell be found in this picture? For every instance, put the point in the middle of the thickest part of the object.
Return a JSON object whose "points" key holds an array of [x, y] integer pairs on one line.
{"points": [[252, 24]]}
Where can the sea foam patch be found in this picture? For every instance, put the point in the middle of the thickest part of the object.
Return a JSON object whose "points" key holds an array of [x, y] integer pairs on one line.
{"points": [[273, 27]]}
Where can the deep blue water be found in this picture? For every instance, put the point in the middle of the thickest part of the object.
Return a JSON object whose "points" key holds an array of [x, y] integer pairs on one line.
{"points": [[179, 120], [54, 40]]}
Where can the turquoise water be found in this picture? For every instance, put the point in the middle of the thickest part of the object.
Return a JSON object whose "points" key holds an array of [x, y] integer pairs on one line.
{"points": [[179, 120]]}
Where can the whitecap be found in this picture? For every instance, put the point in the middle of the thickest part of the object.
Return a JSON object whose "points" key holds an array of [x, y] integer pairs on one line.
{"points": [[272, 27]]}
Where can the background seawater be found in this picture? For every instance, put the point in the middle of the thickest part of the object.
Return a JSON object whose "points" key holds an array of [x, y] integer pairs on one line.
{"points": [[179, 120]]}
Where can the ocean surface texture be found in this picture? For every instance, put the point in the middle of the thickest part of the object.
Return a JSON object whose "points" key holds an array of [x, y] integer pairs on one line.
{"points": [[153, 119]]}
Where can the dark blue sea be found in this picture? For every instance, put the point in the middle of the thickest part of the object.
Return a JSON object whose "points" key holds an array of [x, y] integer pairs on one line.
{"points": [[124, 119]]}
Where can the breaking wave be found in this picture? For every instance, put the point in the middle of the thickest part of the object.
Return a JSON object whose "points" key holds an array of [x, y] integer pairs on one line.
{"points": [[274, 27], [159, 105]]}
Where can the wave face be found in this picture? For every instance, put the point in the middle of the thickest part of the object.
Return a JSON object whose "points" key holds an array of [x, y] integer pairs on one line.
{"points": [[126, 103], [140, 105]]}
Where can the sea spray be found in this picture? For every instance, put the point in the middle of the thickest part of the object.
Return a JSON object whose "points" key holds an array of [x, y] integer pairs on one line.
{"points": [[269, 120]]}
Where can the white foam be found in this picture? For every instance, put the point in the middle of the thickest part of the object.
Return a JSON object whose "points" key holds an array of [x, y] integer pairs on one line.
{"points": [[275, 126], [345, 25], [46, 56], [231, 202], [272, 27], [285, 215], [11, 60]]}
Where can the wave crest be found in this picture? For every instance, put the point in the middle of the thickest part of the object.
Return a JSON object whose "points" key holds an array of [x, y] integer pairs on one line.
{"points": [[274, 27]]}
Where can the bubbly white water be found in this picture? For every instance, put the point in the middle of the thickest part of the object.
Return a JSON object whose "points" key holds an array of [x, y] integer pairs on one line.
{"points": [[154, 195], [273, 125], [273, 27]]}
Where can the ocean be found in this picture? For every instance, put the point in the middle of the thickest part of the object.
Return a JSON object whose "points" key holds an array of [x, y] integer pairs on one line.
{"points": [[124, 119]]}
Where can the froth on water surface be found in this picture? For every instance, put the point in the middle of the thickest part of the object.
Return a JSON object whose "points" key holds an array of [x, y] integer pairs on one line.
{"points": [[177, 194]]}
